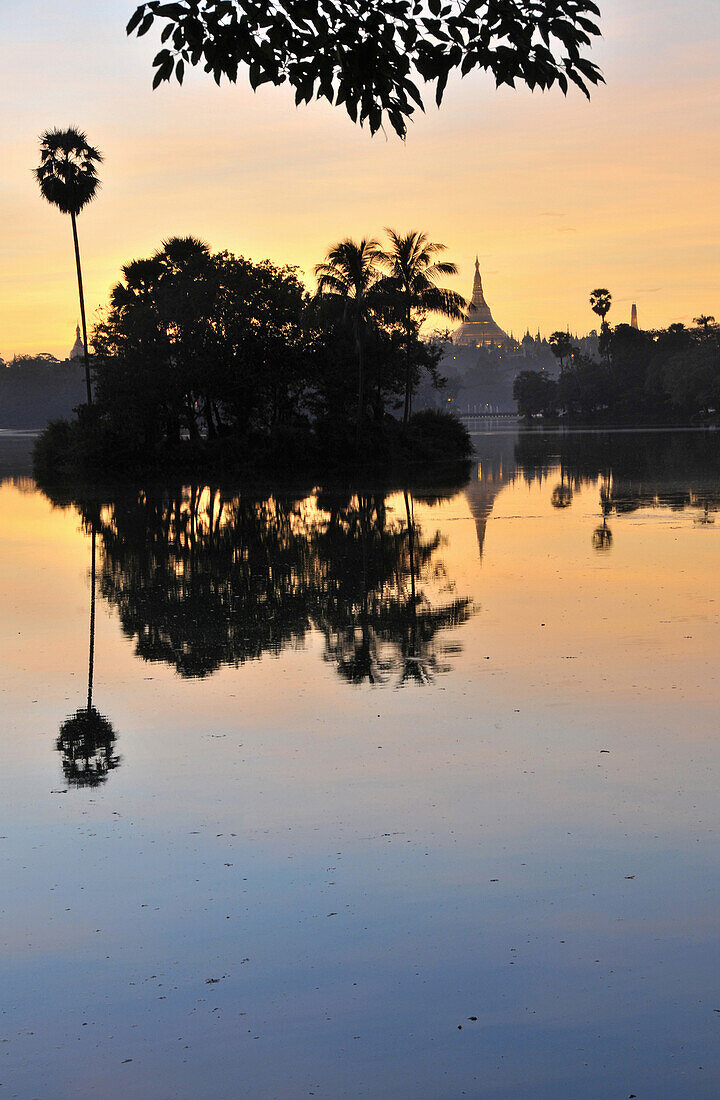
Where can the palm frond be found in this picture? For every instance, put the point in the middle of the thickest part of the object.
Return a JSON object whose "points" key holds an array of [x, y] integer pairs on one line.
{"points": [[67, 173]]}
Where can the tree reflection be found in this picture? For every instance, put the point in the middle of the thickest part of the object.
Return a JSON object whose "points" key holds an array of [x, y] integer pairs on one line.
{"points": [[675, 470], [203, 578], [86, 740], [373, 605]]}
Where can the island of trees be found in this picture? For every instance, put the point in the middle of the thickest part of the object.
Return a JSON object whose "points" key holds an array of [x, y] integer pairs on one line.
{"points": [[206, 357]]}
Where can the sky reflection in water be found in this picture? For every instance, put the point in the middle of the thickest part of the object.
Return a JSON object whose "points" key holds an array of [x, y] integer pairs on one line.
{"points": [[369, 780]]}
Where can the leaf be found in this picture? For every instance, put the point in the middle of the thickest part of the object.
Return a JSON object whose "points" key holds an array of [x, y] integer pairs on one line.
{"points": [[134, 19]]}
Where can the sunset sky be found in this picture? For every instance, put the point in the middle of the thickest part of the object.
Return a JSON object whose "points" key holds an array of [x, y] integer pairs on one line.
{"points": [[557, 196]]}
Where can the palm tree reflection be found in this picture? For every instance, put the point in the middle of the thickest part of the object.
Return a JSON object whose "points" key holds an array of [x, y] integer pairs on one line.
{"points": [[87, 739], [202, 579], [374, 609], [602, 536]]}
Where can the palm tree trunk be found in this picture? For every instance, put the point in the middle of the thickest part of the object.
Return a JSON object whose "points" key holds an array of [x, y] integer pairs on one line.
{"points": [[82, 307], [408, 373], [91, 658], [361, 384]]}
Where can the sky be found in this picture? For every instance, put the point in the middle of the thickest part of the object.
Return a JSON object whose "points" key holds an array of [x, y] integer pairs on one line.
{"points": [[556, 195]]}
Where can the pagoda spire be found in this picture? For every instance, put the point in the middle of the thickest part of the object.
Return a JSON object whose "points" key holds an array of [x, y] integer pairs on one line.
{"points": [[479, 328], [478, 298]]}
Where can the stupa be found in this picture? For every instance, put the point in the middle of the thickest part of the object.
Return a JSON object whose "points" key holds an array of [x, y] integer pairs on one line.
{"points": [[479, 330], [78, 350]]}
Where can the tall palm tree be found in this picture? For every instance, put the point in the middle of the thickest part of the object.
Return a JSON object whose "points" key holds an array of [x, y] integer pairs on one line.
{"points": [[600, 302], [705, 319], [412, 274], [68, 179], [350, 273]]}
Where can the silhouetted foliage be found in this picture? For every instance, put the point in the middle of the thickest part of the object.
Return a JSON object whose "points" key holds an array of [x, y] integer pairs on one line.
{"points": [[369, 57], [561, 346], [412, 292], [535, 394], [68, 179], [646, 377], [350, 276], [209, 360], [196, 344]]}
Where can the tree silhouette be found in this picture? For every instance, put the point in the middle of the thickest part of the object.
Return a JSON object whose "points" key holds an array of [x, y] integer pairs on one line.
{"points": [[68, 179], [411, 283], [600, 302], [350, 273], [369, 57], [705, 320], [561, 347]]}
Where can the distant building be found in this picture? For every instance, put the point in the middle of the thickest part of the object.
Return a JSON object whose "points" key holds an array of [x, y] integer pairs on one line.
{"points": [[78, 348], [479, 330], [633, 316]]}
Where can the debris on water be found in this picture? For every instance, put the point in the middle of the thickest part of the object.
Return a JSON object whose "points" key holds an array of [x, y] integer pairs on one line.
{"points": [[214, 981], [629, 876]]}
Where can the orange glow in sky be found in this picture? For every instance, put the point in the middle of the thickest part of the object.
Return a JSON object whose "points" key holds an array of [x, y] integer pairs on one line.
{"points": [[557, 196]]}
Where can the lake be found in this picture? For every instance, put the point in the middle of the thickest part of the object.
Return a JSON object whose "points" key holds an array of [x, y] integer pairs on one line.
{"points": [[404, 790]]}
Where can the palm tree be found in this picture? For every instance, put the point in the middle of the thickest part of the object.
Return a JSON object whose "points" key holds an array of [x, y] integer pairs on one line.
{"points": [[600, 302], [705, 319], [350, 273], [68, 179], [412, 282]]}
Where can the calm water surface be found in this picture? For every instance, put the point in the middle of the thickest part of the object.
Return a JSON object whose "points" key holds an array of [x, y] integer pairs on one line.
{"points": [[407, 791]]}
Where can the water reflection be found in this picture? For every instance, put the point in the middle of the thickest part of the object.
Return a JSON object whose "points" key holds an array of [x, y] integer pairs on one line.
{"points": [[87, 740], [674, 470], [201, 578]]}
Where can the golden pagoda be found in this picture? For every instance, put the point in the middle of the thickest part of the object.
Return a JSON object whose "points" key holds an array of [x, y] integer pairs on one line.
{"points": [[78, 348], [479, 330]]}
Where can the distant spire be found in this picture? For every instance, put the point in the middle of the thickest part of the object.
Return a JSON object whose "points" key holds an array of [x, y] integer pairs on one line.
{"points": [[78, 348], [633, 316], [479, 328]]}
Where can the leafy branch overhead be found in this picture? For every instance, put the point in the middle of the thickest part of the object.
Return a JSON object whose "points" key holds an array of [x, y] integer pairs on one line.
{"points": [[370, 55]]}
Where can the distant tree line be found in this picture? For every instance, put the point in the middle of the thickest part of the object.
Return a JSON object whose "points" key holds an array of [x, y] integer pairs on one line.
{"points": [[35, 388], [666, 376]]}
